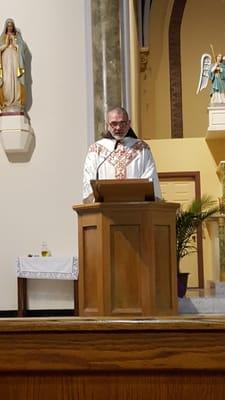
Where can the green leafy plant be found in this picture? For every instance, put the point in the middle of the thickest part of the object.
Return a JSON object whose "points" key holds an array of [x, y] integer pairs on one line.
{"points": [[187, 222]]}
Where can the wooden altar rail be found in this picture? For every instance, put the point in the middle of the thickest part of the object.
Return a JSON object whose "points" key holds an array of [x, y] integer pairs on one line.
{"points": [[96, 359]]}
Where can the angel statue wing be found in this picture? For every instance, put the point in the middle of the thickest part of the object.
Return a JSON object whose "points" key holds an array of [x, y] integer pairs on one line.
{"points": [[206, 61]]}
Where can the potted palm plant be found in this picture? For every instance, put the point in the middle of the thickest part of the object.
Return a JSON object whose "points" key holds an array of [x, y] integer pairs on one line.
{"points": [[187, 222]]}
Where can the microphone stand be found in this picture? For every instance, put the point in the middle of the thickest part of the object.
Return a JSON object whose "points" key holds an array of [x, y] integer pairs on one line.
{"points": [[97, 170]]}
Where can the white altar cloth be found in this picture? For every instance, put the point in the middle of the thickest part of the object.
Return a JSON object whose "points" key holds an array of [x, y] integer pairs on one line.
{"points": [[64, 268]]}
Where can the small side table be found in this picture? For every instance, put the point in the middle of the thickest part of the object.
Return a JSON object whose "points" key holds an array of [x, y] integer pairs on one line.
{"points": [[62, 268]]}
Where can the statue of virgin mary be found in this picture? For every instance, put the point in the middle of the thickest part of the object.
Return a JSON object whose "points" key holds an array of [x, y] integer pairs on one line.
{"points": [[12, 69]]}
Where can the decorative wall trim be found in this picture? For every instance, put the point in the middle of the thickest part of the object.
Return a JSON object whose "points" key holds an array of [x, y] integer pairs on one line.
{"points": [[175, 69], [125, 55], [89, 73], [144, 56]]}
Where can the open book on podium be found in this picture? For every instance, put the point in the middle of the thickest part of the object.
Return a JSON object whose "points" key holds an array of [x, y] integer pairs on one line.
{"points": [[120, 190]]}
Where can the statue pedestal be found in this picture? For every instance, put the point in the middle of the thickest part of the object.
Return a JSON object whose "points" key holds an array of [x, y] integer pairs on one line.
{"points": [[216, 128], [16, 132]]}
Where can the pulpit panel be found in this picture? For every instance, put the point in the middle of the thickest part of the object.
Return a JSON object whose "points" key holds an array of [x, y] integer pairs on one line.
{"points": [[125, 269]]}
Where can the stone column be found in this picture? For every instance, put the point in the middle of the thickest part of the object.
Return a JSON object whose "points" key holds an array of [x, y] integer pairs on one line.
{"points": [[107, 69]]}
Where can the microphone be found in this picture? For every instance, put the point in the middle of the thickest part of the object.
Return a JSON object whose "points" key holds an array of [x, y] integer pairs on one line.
{"points": [[97, 170]]}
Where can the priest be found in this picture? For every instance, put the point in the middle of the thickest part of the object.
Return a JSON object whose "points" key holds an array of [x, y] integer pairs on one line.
{"points": [[119, 155]]}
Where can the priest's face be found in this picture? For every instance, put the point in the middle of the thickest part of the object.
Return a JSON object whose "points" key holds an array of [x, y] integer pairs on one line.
{"points": [[118, 124]]}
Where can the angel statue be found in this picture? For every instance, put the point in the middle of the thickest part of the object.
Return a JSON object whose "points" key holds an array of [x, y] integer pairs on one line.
{"points": [[216, 73]]}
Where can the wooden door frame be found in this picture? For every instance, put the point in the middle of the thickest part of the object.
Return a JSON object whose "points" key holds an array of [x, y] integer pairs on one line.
{"points": [[195, 177]]}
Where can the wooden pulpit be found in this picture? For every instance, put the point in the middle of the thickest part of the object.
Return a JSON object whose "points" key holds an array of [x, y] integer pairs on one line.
{"points": [[127, 256]]}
